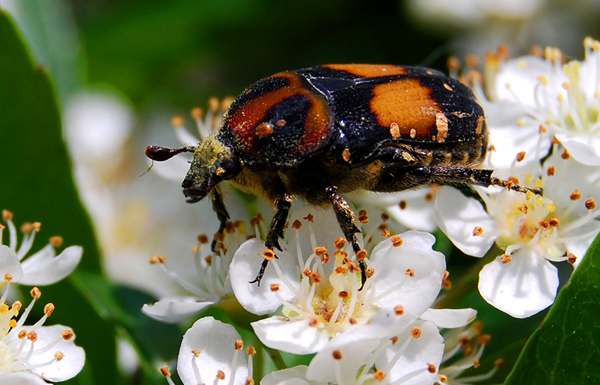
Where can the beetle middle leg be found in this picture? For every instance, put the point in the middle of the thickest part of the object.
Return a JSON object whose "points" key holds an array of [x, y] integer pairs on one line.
{"points": [[345, 218], [222, 215], [275, 231]]}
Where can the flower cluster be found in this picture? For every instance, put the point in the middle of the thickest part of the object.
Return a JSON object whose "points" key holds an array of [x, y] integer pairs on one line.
{"points": [[544, 113], [31, 354]]}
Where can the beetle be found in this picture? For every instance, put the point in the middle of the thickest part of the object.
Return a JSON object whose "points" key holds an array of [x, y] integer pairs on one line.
{"points": [[322, 131]]}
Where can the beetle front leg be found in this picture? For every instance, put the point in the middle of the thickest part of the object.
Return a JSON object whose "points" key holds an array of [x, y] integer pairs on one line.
{"points": [[275, 231], [345, 218], [222, 215]]}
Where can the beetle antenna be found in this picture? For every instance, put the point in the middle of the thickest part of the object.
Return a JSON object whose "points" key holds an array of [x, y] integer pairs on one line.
{"points": [[160, 154]]}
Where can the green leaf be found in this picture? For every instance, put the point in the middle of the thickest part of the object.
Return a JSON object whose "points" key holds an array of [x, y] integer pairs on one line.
{"points": [[37, 185], [564, 350]]}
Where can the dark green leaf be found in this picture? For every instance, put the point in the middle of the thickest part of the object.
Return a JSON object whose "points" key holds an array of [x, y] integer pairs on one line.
{"points": [[564, 350], [37, 186]]}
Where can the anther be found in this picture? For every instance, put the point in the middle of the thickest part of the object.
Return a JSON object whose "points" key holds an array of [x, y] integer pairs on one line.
{"points": [[590, 204], [310, 218], [221, 375], [165, 371], [202, 239], [571, 258], [520, 156], [313, 323], [399, 309], [316, 277], [36, 293], [477, 231], [379, 375], [385, 217], [56, 241], [410, 272], [431, 368], [297, 224], [49, 309], [565, 155], [177, 121], [337, 355], [269, 254], [238, 345], [250, 350], [343, 294], [339, 243], [274, 287], [67, 335], [196, 352], [553, 222], [505, 258], [402, 205], [58, 355], [8, 277], [361, 255], [320, 250], [154, 259], [415, 332], [544, 225], [551, 170], [575, 195]]}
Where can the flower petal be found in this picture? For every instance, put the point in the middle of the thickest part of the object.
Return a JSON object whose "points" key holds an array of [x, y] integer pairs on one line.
{"points": [[73, 356], [246, 262], [9, 264], [409, 275], [43, 268], [522, 287], [214, 341], [291, 376], [22, 378], [458, 216], [296, 337], [175, 309], [449, 318]]}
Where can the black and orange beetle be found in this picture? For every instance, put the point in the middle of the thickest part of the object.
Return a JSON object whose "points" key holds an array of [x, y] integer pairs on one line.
{"points": [[319, 132]]}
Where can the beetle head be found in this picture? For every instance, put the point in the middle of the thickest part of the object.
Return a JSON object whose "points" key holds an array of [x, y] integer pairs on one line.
{"points": [[214, 161]]}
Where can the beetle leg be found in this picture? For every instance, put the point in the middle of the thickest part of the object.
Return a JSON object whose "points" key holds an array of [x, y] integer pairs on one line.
{"points": [[275, 231], [345, 218], [222, 215], [473, 176]]}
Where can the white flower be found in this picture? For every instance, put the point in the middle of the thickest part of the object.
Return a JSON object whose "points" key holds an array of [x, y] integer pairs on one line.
{"points": [[413, 209], [316, 282], [29, 353], [212, 352], [395, 347], [533, 231], [211, 283], [530, 99], [41, 268]]}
